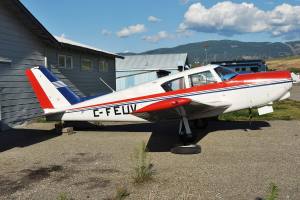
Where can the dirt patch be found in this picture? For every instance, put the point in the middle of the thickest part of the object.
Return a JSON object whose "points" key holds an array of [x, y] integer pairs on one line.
{"points": [[8, 187], [40, 173], [93, 183], [25, 178], [83, 158], [108, 171]]}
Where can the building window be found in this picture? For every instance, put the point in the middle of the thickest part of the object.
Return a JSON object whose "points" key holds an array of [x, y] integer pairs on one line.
{"points": [[86, 64], [103, 66], [69, 62], [65, 62], [61, 61]]}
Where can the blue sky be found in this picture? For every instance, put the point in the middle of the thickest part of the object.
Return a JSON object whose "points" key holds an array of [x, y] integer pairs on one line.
{"points": [[140, 25]]}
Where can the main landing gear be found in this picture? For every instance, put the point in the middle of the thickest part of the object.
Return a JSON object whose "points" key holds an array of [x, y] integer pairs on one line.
{"points": [[187, 139]]}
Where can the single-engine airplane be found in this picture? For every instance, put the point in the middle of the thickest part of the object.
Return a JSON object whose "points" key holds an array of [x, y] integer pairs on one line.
{"points": [[190, 96]]}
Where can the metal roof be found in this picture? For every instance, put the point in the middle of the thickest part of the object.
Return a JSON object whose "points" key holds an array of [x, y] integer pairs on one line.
{"points": [[26, 17], [66, 41], [152, 61]]}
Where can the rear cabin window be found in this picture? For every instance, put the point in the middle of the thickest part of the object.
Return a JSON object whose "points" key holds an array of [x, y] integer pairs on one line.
{"points": [[175, 84], [201, 78]]}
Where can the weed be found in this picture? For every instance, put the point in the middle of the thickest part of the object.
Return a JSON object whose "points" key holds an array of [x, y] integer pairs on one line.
{"points": [[63, 196], [143, 170], [273, 192], [121, 193]]}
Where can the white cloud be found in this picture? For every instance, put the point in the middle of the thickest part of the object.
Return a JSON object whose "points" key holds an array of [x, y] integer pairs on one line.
{"points": [[157, 37], [131, 30], [153, 19], [228, 18], [106, 32], [184, 1], [63, 35]]}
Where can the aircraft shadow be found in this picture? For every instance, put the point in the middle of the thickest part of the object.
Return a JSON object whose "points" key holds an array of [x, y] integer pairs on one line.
{"points": [[111, 127], [24, 137], [164, 135]]}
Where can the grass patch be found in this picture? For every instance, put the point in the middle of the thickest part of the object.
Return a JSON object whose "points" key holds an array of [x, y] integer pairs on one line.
{"points": [[273, 192], [294, 69], [63, 196], [283, 110], [143, 169], [121, 193]]}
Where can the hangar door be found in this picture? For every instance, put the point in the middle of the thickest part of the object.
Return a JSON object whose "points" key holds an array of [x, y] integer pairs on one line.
{"points": [[4, 65]]}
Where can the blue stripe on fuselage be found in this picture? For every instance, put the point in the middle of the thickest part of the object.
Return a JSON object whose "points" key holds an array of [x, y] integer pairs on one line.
{"points": [[179, 96]]}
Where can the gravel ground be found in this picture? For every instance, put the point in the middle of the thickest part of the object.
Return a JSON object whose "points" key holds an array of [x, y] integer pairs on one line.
{"points": [[238, 161]]}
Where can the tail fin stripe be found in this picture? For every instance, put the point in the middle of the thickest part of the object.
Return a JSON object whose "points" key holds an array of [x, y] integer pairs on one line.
{"points": [[70, 96], [49, 76], [40, 93], [59, 84]]}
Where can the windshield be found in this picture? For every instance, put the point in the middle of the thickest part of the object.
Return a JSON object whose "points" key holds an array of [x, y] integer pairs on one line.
{"points": [[225, 73]]}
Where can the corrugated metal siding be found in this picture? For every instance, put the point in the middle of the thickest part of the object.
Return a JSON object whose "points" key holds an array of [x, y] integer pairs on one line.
{"points": [[133, 80], [156, 61], [23, 48]]}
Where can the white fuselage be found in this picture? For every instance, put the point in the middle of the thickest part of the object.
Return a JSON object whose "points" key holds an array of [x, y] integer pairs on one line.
{"points": [[118, 106]]}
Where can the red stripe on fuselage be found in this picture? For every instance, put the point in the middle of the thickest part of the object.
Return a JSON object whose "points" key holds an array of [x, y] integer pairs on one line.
{"points": [[38, 90], [241, 79], [165, 104]]}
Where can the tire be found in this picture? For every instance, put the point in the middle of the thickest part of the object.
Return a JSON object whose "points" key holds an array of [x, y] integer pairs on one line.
{"points": [[188, 149]]}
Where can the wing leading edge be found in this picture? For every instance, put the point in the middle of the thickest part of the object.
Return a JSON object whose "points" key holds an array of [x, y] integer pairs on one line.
{"points": [[169, 109]]}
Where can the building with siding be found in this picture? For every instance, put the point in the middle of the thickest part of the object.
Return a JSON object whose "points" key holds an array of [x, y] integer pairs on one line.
{"points": [[24, 43], [137, 69]]}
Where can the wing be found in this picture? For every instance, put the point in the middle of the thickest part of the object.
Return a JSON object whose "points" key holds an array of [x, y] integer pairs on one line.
{"points": [[171, 109]]}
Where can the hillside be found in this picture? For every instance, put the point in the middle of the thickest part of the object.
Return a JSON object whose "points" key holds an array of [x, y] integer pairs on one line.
{"points": [[230, 50], [290, 63]]}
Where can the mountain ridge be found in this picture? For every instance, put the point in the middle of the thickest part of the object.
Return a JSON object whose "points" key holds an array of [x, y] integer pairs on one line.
{"points": [[216, 50]]}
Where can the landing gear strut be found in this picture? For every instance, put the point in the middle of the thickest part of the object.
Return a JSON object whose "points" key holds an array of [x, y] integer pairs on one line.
{"points": [[187, 138]]}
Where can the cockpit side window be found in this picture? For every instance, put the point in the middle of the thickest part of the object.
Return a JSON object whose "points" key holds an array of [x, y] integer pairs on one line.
{"points": [[175, 84], [225, 73], [201, 78]]}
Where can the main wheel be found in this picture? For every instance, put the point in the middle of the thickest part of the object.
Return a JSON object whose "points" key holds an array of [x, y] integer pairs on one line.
{"points": [[186, 149]]}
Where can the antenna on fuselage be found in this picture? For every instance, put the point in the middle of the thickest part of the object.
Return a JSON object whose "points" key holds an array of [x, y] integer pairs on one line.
{"points": [[106, 84]]}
